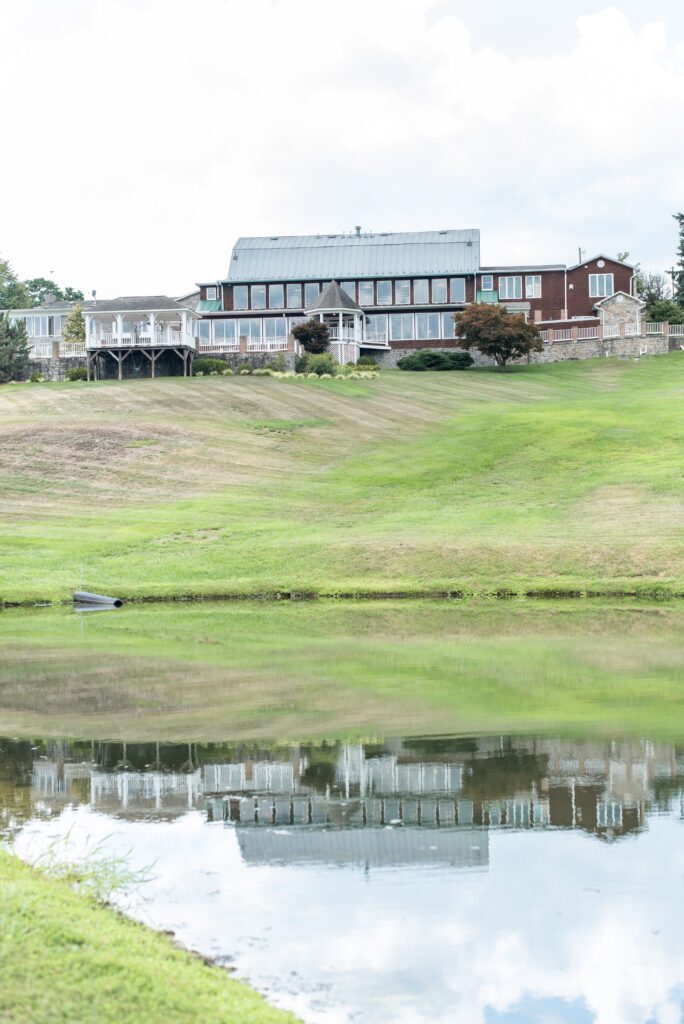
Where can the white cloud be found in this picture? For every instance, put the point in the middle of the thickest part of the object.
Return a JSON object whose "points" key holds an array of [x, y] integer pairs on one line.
{"points": [[145, 135]]}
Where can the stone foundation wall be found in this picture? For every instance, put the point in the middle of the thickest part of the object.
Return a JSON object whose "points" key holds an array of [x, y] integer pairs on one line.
{"points": [[55, 369], [259, 360], [556, 352]]}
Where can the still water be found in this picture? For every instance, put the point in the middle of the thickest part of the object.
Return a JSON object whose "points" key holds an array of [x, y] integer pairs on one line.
{"points": [[481, 880]]}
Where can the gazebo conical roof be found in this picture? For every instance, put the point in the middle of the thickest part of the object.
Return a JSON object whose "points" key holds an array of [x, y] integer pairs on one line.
{"points": [[333, 299]]}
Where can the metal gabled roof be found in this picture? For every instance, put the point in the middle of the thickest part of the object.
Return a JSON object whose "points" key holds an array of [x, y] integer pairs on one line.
{"points": [[340, 257], [332, 299]]}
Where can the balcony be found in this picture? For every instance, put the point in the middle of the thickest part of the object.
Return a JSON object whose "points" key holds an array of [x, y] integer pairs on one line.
{"points": [[141, 339]]}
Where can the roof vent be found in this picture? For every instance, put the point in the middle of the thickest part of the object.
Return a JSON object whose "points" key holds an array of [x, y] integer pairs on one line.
{"points": [[469, 242], [234, 255], [357, 229], [274, 238], [443, 232]]}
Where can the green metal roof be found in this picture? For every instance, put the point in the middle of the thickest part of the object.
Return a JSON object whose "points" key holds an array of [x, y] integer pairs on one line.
{"points": [[208, 305]]}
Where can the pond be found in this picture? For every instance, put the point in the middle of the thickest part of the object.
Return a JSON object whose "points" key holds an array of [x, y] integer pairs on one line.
{"points": [[256, 766]]}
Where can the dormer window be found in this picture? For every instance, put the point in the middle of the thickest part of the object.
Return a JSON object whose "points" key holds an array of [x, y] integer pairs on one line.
{"points": [[212, 294]]}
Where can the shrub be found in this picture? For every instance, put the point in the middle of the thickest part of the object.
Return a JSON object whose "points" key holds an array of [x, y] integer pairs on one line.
{"points": [[367, 361], [227, 372], [278, 363], [320, 364], [261, 372], [312, 335], [205, 365], [300, 363], [77, 373], [246, 372], [245, 368], [36, 377], [429, 360]]}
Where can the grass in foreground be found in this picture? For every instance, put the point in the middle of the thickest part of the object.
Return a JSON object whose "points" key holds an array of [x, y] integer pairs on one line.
{"points": [[295, 671], [568, 477], [65, 959]]}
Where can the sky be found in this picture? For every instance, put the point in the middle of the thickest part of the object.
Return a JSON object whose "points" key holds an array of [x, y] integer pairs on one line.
{"points": [[141, 138]]}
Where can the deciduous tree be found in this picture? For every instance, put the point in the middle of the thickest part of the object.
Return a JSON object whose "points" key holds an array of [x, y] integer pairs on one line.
{"points": [[74, 327], [13, 293], [313, 336], [43, 290], [495, 332]]}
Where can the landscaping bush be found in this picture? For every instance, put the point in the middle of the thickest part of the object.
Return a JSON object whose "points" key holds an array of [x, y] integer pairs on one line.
{"points": [[77, 373], [263, 372], [278, 363], [367, 361], [36, 377], [301, 363], [245, 368], [206, 365], [429, 360], [320, 364]]}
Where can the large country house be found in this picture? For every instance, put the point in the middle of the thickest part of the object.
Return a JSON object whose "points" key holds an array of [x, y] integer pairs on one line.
{"points": [[382, 294]]}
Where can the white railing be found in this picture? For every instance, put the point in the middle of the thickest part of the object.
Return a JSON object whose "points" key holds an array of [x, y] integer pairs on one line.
{"points": [[565, 334], [612, 331], [268, 345], [546, 336], [219, 346], [632, 330], [40, 349], [110, 339], [72, 348], [653, 328], [677, 330], [379, 340], [349, 337], [587, 333]]}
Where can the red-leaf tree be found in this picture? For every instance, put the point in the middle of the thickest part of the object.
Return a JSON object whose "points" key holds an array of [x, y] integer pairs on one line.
{"points": [[313, 336], [493, 331]]}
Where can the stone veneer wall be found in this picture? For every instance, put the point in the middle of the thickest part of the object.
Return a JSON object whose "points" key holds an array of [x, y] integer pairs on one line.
{"points": [[258, 360], [55, 369], [555, 352]]}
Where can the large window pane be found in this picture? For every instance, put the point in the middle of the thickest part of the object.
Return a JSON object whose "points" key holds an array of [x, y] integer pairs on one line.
{"points": [[427, 326], [457, 289], [276, 296], [258, 296], [439, 289], [294, 296], [311, 293], [402, 293], [533, 286], [240, 296], [250, 330], [350, 288], [384, 293], [510, 287], [448, 325], [376, 327], [600, 285], [401, 327], [204, 330], [224, 330], [366, 294], [421, 292], [275, 328]]}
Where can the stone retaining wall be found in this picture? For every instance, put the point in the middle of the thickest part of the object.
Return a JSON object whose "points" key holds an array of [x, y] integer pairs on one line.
{"points": [[55, 368], [555, 352], [258, 360]]}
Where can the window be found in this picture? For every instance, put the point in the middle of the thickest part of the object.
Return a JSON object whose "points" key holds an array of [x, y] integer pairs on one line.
{"points": [[401, 326], [294, 296], [258, 296], [240, 296], [427, 325], [448, 325], [533, 286], [510, 287], [384, 293], [487, 282], [376, 327], [276, 296], [204, 331], [250, 330], [212, 294], [292, 321], [311, 293], [224, 332], [350, 288], [402, 293], [41, 326], [275, 328], [457, 289], [439, 289], [57, 329], [366, 293], [421, 292], [600, 285]]}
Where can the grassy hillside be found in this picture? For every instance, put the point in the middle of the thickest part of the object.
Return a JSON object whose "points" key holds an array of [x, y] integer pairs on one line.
{"points": [[568, 476]]}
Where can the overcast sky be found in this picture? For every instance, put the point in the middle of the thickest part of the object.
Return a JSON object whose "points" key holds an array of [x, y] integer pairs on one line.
{"points": [[142, 137]]}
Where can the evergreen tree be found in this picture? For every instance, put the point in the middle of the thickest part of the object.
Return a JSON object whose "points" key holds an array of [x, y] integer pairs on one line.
{"points": [[678, 283], [13, 293], [14, 350], [74, 328]]}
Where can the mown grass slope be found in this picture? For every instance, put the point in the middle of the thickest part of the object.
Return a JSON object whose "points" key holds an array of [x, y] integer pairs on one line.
{"points": [[65, 959], [568, 476]]}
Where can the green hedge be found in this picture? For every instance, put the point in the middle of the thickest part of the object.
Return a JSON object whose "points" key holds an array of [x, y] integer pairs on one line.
{"points": [[429, 360]]}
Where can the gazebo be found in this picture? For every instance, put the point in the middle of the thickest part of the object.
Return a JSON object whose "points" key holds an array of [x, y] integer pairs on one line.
{"points": [[344, 318]]}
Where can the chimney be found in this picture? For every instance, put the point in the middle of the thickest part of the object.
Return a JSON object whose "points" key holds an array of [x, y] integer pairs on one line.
{"points": [[357, 229]]}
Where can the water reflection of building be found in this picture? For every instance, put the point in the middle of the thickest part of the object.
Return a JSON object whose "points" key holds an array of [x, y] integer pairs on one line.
{"points": [[410, 786]]}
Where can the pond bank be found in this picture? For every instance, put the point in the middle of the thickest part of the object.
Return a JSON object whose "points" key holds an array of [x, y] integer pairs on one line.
{"points": [[65, 957]]}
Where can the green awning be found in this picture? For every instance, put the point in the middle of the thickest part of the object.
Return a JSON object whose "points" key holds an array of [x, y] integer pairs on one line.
{"points": [[208, 305]]}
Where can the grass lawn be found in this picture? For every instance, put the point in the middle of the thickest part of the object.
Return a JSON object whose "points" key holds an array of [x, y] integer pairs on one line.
{"points": [[65, 959], [296, 671], [568, 476]]}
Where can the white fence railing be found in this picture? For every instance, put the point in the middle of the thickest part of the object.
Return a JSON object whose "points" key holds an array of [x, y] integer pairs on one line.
{"points": [[219, 346], [110, 339], [267, 345], [587, 333]]}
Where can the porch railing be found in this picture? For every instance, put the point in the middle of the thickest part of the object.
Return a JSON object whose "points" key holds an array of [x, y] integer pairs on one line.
{"points": [[111, 339]]}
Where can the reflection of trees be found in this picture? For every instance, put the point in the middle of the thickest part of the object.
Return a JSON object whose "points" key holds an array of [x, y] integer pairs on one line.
{"points": [[428, 747], [321, 770], [492, 778]]}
